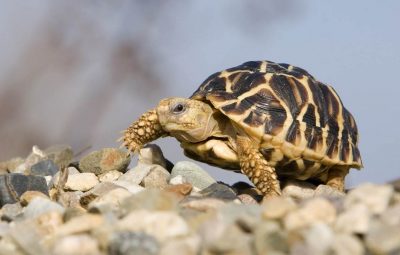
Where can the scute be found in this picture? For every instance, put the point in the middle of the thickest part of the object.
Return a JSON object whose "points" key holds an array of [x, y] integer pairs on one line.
{"points": [[286, 103]]}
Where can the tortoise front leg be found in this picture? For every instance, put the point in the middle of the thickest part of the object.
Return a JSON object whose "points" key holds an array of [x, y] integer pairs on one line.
{"points": [[336, 176], [254, 166]]}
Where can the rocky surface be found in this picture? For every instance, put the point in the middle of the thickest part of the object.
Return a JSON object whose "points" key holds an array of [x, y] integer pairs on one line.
{"points": [[100, 206]]}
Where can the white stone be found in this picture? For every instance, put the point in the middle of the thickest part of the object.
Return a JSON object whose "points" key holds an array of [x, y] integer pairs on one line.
{"points": [[110, 176], [77, 244], [344, 244], [81, 181], [315, 210], [375, 197], [355, 220], [179, 179], [131, 187]]}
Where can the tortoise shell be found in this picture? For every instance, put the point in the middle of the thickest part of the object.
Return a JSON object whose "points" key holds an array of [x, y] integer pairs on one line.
{"points": [[298, 121]]}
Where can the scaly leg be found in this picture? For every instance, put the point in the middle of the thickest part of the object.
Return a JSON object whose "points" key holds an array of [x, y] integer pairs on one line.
{"points": [[254, 166], [336, 177]]}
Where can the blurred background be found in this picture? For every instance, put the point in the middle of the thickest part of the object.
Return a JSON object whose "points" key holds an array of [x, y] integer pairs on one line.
{"points": [[77, 73]]}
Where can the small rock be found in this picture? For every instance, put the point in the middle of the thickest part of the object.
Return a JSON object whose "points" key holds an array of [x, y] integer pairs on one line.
{"points": [[81, 181], [28, 237], [232, 241], [54, 181], [383, 238], [219, 190], [77, 244], [14, 185], [80, 224], [355, 220], [247, 199], [179, 179], [150, 199], [39, 206], [136, 174], [156, 178], [181, 190], [183, 246], [375, 197], [298, 190], [29, 195], [396, 185], [392, 215], [108, 159], [110, 201], [132, 243], [270, 239], [344, 244], [36, 156], [163, 225], [316, 209], [49, 222], [9, 212], [70, 198], [318, 238], [131, 187], [278, 207], [193, 174], [204, 204], [9, 166], [44, 168], [328, 191], [61, 154], [151, 154], [72, 212], [110, 176]]}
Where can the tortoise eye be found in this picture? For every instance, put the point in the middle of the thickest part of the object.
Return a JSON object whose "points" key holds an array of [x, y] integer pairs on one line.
{"points": [[178, 108]]}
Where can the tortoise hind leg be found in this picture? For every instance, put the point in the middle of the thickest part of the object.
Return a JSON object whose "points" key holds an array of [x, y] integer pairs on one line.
{"points": [[254, 166], [336, 177]]}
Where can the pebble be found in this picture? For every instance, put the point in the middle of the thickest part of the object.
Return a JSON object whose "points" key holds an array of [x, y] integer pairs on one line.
{"points": [[60, 154], [136, 174], [269, 238], [298, 190], [132, 243], [375, 197], [383, 238], [247, 199], [181, 190], [102, 161], [179, 179], [39, 206], [131, 187], [344, 244], [150, 199], [9, 212], [14, 185], [194, 174], [219, 190], [9, 166], [204, 204], [80, 224], [81, 181], [151, 154], [156, 178], [314, 210], [278, 207], [82, 244], [355, 220], [111, 201], [44, 168], [160, 224], [110, 176], [29, 195]]}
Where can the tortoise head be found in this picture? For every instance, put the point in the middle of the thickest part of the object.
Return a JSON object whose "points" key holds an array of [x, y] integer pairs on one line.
{"points": [[186, 119]]}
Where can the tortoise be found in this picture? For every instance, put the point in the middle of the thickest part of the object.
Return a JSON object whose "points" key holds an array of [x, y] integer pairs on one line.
{"points": [[271, 121]]}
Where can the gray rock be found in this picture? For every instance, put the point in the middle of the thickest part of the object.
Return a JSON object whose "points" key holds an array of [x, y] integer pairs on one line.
{"points": [[156, 178], [77, 244], [150, 199], [44, 168], [54, 181], [110, 201], [383, 238], [179, 179], [315, 210], [12, 186], [39, 206], [328, 191], [220, 191], [136, 174], [193, 174], [108, 159], [61, 154], [81, 181], [375, 197], [269, 238], [131, 187], [9, 212], [163, 225], [132, 243], [232, 241], [36, 156]]}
